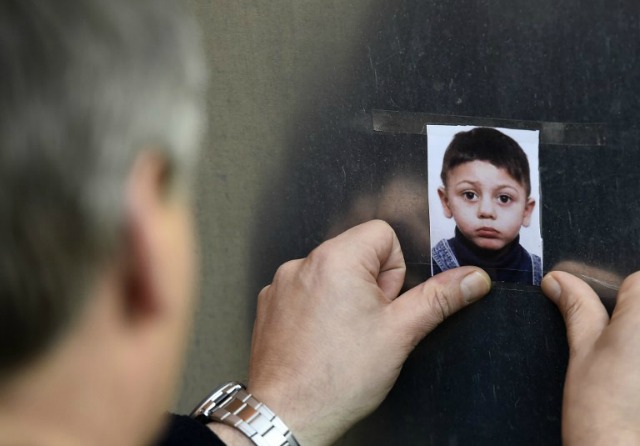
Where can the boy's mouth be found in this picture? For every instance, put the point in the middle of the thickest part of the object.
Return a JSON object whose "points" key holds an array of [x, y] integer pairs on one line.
{"points": [[487, 232]]}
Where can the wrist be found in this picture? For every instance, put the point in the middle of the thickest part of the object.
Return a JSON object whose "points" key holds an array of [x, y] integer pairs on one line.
{"points": [[232, 405], [286, 410], [299, 411]]}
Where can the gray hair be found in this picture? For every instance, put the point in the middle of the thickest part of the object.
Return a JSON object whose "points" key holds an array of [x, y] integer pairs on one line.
{"points": [[85, 85]]}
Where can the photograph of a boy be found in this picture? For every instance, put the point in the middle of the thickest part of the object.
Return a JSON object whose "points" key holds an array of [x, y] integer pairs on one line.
{"points": [[486, 190]]}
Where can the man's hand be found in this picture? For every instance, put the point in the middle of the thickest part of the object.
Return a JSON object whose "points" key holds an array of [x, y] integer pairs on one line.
{"points": [[602, 390], [331, 335]]}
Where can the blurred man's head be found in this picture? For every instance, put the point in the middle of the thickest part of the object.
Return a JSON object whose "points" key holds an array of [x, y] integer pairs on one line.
{"points": [[100, 118]]}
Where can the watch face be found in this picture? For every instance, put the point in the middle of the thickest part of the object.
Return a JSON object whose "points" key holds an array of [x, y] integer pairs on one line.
{"points": [[214, 400]]}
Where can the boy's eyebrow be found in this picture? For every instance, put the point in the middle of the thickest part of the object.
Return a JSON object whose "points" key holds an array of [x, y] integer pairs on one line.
{"points": [[476, 183], [473, 183]]}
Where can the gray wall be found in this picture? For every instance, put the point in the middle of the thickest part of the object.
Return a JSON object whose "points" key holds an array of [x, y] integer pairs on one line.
{"points": [[269, 62]]}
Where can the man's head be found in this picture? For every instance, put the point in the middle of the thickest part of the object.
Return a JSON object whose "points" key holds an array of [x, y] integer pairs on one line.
{"points": [[486, 187], [101, 115]]}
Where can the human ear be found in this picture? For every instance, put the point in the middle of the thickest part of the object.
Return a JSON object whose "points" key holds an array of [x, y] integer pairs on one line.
{"points": [[145, 214], [442, 194], [528, 210]]}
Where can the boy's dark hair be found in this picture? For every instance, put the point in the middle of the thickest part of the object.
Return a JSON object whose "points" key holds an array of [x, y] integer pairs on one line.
{"points": [[491, 145]]}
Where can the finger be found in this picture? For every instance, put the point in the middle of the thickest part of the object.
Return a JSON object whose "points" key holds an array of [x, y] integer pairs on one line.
{"points": [[583, 313], [423, 308], [604, 282], [375, 246], [628, 300], [263, 298], [392, 266]]}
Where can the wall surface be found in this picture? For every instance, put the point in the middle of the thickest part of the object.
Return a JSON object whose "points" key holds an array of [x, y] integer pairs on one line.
{"points": [[272, 64], [296, 153]]}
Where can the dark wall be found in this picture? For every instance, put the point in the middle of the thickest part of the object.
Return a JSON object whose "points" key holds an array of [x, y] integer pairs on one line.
{"points": [[493, 374]]}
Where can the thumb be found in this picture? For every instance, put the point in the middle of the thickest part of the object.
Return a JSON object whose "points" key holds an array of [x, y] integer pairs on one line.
{"points": [[423, 308], [583, 312]]}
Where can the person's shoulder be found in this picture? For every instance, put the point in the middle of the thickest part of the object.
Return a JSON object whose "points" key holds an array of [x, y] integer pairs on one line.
{"points": [[534, 257], [536, 267], [443, 257], [440, 245]]}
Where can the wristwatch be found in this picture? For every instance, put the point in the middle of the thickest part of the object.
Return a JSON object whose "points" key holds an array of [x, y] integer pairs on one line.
{"points": [[232, 405]]}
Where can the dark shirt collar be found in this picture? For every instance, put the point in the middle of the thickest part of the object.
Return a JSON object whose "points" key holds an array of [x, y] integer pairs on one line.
{"points": [[509, 264], [470, 254]]}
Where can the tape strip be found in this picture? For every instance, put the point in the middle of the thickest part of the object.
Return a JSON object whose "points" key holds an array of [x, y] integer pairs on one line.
{"points": [[551, 133]]}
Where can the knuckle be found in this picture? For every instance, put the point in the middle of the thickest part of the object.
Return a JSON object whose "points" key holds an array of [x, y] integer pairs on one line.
{"points": [[320, 254], [572, 308], [439, 305], [264, 292], [572, 302], [321, 257], [383, 228], [285, 271], [381, 225], [631, 285]]}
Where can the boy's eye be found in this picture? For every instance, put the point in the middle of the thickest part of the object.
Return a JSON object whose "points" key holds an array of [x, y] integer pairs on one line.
{"points": [[504, 199], [469, 195]]}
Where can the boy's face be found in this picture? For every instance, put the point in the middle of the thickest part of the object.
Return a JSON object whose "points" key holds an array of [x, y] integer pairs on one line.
{"points": [[488, 205]]}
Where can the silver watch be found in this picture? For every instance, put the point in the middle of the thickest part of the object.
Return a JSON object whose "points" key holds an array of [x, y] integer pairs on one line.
{"points": [[232, 405]]}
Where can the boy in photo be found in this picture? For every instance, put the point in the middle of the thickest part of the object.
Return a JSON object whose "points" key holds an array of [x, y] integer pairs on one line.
{"points": [[486, 189]]}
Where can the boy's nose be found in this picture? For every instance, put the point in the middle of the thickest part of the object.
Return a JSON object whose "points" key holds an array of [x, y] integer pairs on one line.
{"points": [[486, 208]]}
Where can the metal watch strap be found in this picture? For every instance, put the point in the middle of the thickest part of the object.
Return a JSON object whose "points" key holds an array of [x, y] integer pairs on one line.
{"points": [[232, 405]]}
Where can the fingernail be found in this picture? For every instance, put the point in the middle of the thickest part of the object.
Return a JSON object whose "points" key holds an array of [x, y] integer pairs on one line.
{"points": [[474, 286], [551, 287]]}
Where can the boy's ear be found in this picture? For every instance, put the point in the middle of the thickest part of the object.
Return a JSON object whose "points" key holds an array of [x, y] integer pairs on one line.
{"points": [[528, 210], [442, 193]]}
